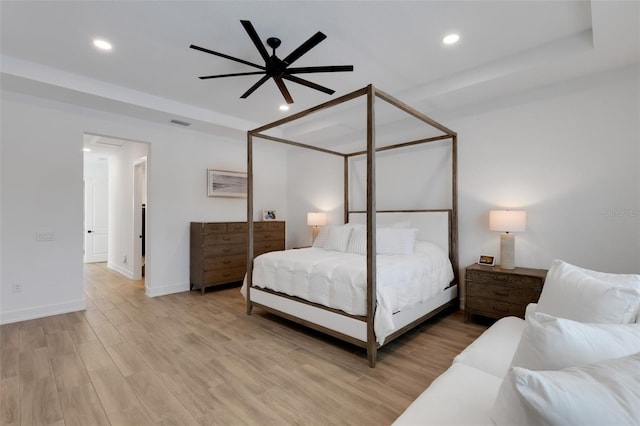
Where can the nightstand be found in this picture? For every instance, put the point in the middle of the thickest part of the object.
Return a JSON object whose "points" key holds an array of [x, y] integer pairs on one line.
{"points": [[494, 292]]}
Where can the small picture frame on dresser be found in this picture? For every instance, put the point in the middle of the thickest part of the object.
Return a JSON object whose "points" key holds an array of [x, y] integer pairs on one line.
{"points": [[269, 215], [486, 260]]}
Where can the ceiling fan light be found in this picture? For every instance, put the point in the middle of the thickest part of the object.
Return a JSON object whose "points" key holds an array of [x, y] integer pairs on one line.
{"points": [[451, 38], [102, 44]]}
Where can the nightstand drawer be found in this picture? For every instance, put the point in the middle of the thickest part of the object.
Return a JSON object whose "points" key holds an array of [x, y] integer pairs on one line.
{"points": [[490, 277], [494, 308], [505, 293]]}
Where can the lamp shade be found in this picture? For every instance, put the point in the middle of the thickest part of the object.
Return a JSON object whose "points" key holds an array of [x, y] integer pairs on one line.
{"points": [[316, 219], [507, 220]]}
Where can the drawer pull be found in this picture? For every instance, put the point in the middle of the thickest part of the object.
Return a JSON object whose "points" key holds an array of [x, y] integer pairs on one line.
{"points": [[226, 238], [226, 275], [500, 308], [500, 293], [226, 249], [267, 246], [226, 262]]}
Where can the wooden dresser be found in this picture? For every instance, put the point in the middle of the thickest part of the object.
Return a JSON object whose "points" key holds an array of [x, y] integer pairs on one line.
{"points": [[494, 292], [218, 250]]}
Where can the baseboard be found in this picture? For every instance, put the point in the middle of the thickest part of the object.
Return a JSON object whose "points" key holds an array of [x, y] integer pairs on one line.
{"points": [[164, 290], [7, 317], [127, 273]]}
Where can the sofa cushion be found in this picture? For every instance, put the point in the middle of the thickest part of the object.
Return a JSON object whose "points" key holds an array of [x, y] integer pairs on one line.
{"points": [[604, 393], [493, 350], [462, 395], [550, 343], [589, 296]]}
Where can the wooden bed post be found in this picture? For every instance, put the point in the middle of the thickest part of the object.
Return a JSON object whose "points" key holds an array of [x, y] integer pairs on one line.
{"points": [[372, 344], [453, 243], [249, 219]]}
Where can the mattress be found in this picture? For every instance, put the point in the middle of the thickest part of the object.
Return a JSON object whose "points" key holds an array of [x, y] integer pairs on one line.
{"points": [[338, 280]]}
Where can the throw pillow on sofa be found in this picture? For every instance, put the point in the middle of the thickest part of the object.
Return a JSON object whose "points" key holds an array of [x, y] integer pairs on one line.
{"points": [[550, 343], [589, 296], [604, 393]]}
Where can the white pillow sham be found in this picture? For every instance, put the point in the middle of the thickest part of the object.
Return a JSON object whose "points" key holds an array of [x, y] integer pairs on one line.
{"points": [[389, 241], [338, 238], [321, 239], [550, 343], [604, 393], [589, 296]]}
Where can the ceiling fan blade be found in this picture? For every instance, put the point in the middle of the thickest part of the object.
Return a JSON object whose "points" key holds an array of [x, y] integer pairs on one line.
{"points": [[331, 68], [308, 84], [256, 40], [206, 77], [255, 86], [304, 48], [222, 55], [283, 89]]}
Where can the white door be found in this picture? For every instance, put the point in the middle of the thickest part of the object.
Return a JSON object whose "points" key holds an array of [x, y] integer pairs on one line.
{"points": [[95, 221]]}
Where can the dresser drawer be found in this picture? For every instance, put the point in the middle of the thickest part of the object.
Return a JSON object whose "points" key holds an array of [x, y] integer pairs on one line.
{"points": [[518, 295], [224, 276], [504, 279], [214, 239], [224, 250], [268, 226], [240, 227], [268, 236], [267, 246], [224, 262], [214, 228]]}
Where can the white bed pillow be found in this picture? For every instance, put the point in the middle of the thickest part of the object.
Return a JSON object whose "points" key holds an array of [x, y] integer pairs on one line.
{"points": [[321, 239], [393, 241], [338, 238], [550, 343], [589, 296], [358, 241], [604, 393]]}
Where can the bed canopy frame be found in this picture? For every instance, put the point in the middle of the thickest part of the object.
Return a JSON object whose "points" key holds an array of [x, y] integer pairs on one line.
{"points": [[371, 93]]}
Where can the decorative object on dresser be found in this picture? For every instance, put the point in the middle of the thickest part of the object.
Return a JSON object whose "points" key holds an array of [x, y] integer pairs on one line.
{"points": [[218, 253], [495, 292], [316, 220], [269, 215], [507, 221]]}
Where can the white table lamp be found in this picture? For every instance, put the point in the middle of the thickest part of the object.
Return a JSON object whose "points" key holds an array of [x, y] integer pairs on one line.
{"points": [[507, 221], [316, 220]]}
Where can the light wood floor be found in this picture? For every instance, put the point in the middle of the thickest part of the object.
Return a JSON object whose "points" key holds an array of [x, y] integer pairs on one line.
{"points": [[192, 359]]}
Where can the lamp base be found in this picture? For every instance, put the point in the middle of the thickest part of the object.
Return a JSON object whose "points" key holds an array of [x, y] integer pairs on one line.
{"points": [[314, 233], [507, 251]]}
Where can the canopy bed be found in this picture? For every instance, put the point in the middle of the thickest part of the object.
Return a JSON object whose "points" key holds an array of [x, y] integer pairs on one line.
{"points": [[369, 308]]}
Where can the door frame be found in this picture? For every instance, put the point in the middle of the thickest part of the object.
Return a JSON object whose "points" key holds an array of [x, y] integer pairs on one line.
{"points": [[139, 185]]}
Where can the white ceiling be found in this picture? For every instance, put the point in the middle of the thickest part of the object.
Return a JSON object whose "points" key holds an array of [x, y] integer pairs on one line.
{"points": [[151, 73]]}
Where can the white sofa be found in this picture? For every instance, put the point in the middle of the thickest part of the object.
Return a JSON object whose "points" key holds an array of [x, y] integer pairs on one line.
{"points": [[575, 360]]}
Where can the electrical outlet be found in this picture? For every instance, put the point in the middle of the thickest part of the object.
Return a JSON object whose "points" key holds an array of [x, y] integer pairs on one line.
{"points": [[124, 259], [16, 288], [45, 236]]}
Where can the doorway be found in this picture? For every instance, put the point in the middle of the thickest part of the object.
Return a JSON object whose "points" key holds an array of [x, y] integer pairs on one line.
{"points": [[125, 167]]}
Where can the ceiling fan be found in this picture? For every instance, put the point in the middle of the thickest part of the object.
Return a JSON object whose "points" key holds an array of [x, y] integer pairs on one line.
{"points": [[277, 68]]}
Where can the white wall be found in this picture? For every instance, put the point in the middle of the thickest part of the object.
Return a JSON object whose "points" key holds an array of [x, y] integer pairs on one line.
{"points": [[568, 155], [41, 182]]}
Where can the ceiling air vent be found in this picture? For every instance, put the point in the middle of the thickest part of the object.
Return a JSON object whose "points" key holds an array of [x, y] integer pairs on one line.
{"points": [[180, 123]]}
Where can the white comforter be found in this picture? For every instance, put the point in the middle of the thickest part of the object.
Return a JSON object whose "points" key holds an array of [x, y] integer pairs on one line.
{"points": [[338, 280]]}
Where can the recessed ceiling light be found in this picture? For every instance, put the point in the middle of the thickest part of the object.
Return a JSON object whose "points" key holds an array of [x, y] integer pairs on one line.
{"points": [[284, 107], [451, 38], [102, 44], [86, 149]]}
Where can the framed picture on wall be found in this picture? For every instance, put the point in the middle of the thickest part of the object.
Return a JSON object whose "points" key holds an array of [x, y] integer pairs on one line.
{"points": [[222, 183], [269, 215]]}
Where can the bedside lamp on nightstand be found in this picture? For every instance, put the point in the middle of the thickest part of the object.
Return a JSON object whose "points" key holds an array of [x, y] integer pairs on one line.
{"points": [[507, 221], [316, 220]]}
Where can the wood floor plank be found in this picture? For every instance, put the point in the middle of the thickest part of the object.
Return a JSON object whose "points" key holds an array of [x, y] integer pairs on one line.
{"points": [[39, 403], [189, 359]]}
